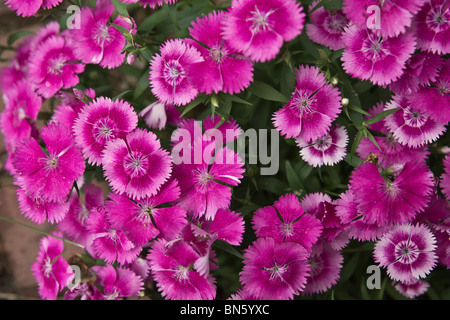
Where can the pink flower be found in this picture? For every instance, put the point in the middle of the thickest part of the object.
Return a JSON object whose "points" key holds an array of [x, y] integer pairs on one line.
{"points": [[150, 216], [314, 105], [274, 270], [136, 165], [48, 175], [107, 242], [395, 15], [27, 8], [38, 210], [100, 121], [326, 150], [421, 69], [258, 28], [434, 100], [391, 199], [325, 267], [326, 27], [286, 221], [97, 41], [445, 178], [117, 282], [433, 27], [368, 56], [170, 80], [51, 270], [54, 66], [223, 69], [412, 289], [158, 115], [172, 269], [407, 251], [410, 126], [22, 106]]}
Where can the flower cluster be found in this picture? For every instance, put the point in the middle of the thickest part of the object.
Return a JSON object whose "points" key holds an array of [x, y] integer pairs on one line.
{"points": [[153, 195]]}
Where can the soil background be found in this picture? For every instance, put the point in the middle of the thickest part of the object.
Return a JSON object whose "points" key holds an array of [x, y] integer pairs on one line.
{"points": [[18, 245]]}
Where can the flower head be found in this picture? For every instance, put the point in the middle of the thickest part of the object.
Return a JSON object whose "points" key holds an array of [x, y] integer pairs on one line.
{"points": [[27, 8], [258, 28], [117, 282], [136, 165], [274, 270], [433, 27], [407, 251], [314, 105], [100, 121]]}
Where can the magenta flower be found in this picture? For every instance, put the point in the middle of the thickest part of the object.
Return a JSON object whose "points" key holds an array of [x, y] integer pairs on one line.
{"points": [[434, 99], [421, 69], [286, 221], [22, 106], [325, 267], [397, 199], [368, 56], [258, 28], [158, 115], [172, 269], [107, 242], [150, 3], [412, 289], [222, 69], [445, 178], [100, 121], [150, 216], [326, 27], [395, 15], [407, 251], [326, 150], [136, 165], [54, 66], [170, 80], [433, 27], [117, 283], [314, 105], [409, 125], [17, 69], [51, 270], [359, 229], [40, 211], [273, 270], [28, 8], [48, 175], [97, 41]]}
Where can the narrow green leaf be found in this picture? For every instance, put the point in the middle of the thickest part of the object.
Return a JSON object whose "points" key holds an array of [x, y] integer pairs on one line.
{"points": [[225, 246], [17, 35], [192, 105], [120, 7], [142, 85], [358, 109], [292, 178], [267, 92], [381, 116], [121, 95], [371, 138], [355, 144]]}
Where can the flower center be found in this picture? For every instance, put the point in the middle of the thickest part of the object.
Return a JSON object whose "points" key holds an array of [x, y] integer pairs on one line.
{"points": [[47, 267], [146, 213], [101, 34], [217, 54], [173, 73], [316, 265], [113, 295], [287, 230], [444, 87], [276, 272], [392, 189], [136, 165], [323, 143], [204, 177], [438, 19], [104, 130], [304, 103], [373, 48], [334, 23], [182, 273], [259, 20], [55, 65], [406, 252], [414, 118]]}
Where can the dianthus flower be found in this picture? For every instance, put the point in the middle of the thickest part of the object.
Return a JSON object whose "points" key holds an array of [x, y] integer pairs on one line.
{"points": [[222, 69], [274, 270], [326, 150], [258, 28], [445, 178], [51, 270], [49, 175], [116, 283], [314, 105], [412, 289], [173, 270], [27, 8], [150, 3], [100, 121], [158, 115], [170, 80], [136, 165], [285, 221], [407, 251]]}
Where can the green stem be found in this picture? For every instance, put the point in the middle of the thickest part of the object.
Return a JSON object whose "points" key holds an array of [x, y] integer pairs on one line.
{"points": [[43, 232]]}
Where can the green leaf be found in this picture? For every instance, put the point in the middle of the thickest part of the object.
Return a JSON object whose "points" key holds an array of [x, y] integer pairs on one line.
{"points": [[192, 105], [349, 267], [122, 30], [225, 246], [121, 95], [355, 144], [154, 19], [142, 85], [120, 7], [292, 178], [272, 185], [381, 116], [265, 91], [371, 138], [17, 35]]}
